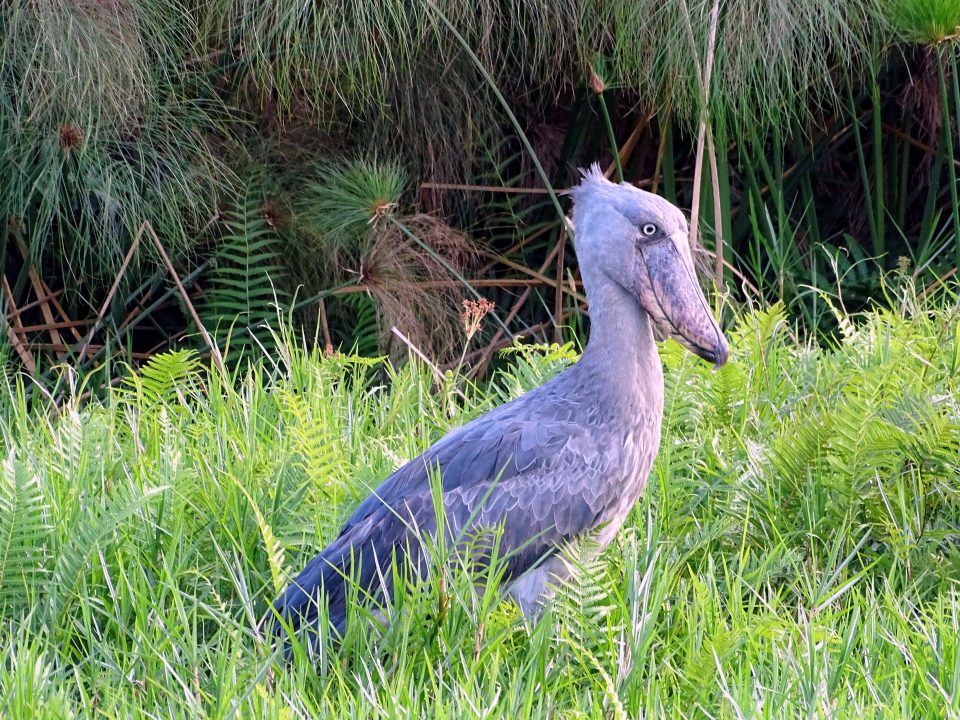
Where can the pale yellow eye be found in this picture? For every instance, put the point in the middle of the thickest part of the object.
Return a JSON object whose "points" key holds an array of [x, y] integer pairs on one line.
{"points": [[649, 229]]}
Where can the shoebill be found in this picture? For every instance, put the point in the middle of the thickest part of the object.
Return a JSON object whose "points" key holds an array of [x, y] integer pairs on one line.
{"points": [[560, 464]]}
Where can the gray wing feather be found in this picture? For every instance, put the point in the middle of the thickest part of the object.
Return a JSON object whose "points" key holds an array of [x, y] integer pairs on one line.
{"points": [[526, 469], [500, 444]]}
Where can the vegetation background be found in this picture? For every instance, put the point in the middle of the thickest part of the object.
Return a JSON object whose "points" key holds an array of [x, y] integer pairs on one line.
{"points": [[358, 166], [219, 216]]}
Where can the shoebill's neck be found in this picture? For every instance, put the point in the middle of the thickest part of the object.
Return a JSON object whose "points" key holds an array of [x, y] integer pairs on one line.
{"points": [[621, 355]]}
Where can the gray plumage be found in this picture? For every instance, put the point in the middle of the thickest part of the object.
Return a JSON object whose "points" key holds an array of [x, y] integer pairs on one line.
{"points": [[563, 462]]}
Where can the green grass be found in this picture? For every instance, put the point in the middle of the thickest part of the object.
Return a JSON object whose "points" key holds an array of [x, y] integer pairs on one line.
{"points": [[796, 554]]}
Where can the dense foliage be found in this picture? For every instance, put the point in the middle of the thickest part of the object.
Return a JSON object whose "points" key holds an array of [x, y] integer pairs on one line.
{"points": [[297, 158], [795, 553], [179, 179]]}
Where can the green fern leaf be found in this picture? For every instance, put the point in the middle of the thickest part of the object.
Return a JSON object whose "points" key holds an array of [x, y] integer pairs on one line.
{"points": [[24, 534], [163, 379], [247, 275], [90, 530], [531, 366], [357, 326]]}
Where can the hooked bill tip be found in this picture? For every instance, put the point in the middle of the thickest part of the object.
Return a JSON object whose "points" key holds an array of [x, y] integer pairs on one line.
{"points": [[717, 355], [720, 354]]}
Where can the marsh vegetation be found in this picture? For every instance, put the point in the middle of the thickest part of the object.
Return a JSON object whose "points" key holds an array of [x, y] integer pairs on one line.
{"points": [[238, 238]]}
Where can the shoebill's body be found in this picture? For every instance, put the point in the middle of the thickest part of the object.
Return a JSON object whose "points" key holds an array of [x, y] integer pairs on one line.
{"points": [[561, 463]]}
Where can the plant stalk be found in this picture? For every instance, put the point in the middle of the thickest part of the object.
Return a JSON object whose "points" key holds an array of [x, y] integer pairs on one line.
{"points": [[704, 77], [611, 136], [948, 119]]}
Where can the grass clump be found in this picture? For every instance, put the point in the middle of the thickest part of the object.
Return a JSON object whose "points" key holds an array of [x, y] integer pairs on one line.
{"points": [[795, 553], [104, 125], [927, 22], [409, 267]]}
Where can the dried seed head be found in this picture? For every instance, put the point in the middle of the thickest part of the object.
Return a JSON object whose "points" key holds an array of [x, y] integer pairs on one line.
{"points": [[271, 213], [380, 207], [596, 82], [70, 137], [473, 313]]}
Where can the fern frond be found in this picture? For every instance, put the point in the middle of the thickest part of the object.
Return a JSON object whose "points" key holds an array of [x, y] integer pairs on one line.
{"points": [[24, 535], [357, 326], [588, 609], [247, 275], [163, 379], [531, 366], [316, 451], [90, 529], [273, 547], [68, 459]]}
